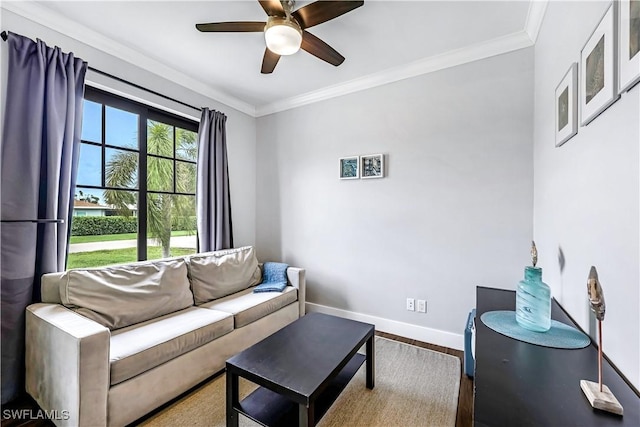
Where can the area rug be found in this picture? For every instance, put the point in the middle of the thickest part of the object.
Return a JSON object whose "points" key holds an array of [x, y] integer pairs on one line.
{"points": [[413, 387]]}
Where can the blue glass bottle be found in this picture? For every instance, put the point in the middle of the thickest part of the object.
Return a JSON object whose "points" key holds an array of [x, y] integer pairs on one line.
{"points": [[533, 301]]}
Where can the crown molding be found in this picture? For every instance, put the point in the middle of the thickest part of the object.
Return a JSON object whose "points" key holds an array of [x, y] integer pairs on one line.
{"points": [[511, 42], [535, 16], [487, 49], [63, 25]]}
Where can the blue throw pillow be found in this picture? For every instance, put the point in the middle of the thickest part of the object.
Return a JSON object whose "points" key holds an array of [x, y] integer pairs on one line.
{"points": [[270, 287], [274, 277]]}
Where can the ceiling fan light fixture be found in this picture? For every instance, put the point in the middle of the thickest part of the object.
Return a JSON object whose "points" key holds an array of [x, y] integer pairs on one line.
{"points": [[282, 36]]}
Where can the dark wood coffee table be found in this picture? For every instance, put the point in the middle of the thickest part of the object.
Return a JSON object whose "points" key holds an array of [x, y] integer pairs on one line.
{"points": [[301, 369]]}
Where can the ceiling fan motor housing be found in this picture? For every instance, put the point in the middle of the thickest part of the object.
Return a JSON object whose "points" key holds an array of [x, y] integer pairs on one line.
{"points": [[282, 35]]}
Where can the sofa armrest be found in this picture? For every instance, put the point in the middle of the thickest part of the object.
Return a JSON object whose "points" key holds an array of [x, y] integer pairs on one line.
{"points": [[67, 364], [50, 287], [296, 278]]}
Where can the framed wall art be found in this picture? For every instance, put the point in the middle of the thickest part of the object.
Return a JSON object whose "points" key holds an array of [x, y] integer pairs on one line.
{"points": [[628, 44], [598, 74], [349, 167], [567, 106], [372, 166]]}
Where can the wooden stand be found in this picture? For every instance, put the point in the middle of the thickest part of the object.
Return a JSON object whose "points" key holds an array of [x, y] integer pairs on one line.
{"points": [[598, 394], [601, 399]]}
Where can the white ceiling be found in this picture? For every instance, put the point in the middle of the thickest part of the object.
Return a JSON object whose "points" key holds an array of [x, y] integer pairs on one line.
{"points": [[382, 41]]}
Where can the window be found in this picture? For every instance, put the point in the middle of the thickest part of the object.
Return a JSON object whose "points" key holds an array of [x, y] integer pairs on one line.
{"points": [[133, 156]]}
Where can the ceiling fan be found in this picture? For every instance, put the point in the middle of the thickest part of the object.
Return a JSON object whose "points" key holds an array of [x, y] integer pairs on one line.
{"points": [[285, 31]]}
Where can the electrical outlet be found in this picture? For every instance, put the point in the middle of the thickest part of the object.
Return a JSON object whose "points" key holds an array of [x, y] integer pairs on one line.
{"points": [[422, 306], [411, 304]]}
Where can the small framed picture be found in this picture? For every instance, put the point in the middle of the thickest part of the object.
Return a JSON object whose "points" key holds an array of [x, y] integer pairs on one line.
{"points": [[567, 106], [349, 167], [598, 74], [372, 166], [628, 43]]}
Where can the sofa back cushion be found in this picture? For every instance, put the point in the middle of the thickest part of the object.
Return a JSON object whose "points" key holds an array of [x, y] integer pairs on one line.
{"points": [[217, 274], [123, 295]]}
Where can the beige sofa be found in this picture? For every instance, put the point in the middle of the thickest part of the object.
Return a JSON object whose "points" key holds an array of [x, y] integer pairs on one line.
{"points": [[108, 345]]}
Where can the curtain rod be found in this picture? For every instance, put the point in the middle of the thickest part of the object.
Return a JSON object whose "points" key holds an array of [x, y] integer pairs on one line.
{"points": [[4, 36], [137, 86], [36, 221]]}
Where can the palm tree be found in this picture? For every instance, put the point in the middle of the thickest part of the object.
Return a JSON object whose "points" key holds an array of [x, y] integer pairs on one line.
{"points": [[121, 172]]}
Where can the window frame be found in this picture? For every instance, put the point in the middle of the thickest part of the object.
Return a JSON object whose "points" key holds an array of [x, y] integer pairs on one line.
{"points": [[145, 113]]}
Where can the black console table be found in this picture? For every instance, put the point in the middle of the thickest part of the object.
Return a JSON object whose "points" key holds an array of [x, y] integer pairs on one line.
{"points": [[520, 384]]}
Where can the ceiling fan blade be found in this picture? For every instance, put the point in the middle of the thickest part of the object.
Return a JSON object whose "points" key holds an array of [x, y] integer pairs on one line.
{"points": [[323, 11], [269, 61], [232, 27], [320, 49], [272, 7]]}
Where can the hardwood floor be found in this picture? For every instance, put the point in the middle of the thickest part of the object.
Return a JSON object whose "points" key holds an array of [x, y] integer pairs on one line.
{"points": [[465, 399]]}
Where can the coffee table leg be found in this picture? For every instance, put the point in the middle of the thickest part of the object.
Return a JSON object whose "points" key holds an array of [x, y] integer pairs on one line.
{"points": [[371, 362], [232, 399], [306, 416]]}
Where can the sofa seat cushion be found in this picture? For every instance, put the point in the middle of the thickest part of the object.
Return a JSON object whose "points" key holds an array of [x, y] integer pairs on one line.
{"points": [[140, 347], [247, 306]]}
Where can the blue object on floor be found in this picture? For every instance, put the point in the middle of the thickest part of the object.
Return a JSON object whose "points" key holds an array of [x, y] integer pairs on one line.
{"points": [[469, 344], [274, 277], [559, 336]]}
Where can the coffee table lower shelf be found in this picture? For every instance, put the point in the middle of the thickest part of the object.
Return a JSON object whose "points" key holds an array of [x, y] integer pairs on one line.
{"points": [[274, 410]]}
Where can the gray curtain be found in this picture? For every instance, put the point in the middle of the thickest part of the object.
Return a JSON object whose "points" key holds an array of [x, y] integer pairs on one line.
{"points": [[213, 199], [39, 157]]}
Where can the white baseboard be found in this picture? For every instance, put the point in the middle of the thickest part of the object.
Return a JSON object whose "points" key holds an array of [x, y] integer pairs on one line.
{"points": [[407, 330]]}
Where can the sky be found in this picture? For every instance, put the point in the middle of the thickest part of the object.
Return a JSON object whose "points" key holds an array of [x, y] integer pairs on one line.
{"points": [[121, 130]]}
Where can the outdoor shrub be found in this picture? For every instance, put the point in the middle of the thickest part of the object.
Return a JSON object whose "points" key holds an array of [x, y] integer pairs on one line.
{"points": [[97, 225]]}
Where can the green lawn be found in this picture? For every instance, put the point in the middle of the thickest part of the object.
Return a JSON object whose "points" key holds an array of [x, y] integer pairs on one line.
{"points": [[123, 236], [118, 256]]}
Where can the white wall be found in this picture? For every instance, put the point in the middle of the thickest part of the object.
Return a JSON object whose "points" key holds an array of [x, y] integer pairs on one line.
{"points": [[586, 197], [454, 211], [241, 128]]}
